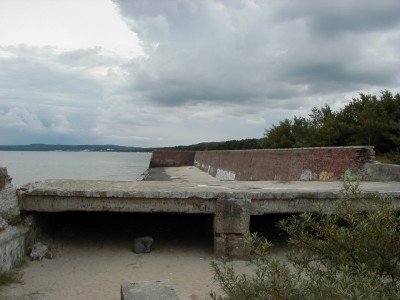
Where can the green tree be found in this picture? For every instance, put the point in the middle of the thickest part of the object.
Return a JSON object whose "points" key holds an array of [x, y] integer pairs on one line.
{"points": [[366, 120], [280, 136], [326, 127]]}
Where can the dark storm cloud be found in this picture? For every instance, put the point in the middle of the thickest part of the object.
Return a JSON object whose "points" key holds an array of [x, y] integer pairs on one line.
{"points": [[256, 52], [336, 73], [330, 18]]}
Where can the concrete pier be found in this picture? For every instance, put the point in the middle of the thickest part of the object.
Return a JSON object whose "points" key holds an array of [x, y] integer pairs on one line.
{"points": [[188, 190]]}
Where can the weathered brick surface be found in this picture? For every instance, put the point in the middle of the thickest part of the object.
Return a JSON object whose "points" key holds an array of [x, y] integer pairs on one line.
{"points": [[171, 159], [285, 164]]}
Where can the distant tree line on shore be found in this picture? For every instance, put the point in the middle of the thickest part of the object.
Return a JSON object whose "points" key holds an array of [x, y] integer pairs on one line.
{"points": [[366, 120], [226, 145]]}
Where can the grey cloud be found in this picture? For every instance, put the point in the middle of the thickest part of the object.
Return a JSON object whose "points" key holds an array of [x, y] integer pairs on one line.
{"points": [[331, 18], [17, 137], [44, 98], [38, 70], [337, 73], [213, 70], [261, 53]]}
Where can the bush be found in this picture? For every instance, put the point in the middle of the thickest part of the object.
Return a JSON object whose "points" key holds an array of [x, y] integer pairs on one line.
{"points": [[392, 157], [352, 253]]}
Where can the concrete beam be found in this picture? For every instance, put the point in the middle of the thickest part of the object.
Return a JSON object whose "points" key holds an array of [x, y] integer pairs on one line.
{"points": [[139, 205]]}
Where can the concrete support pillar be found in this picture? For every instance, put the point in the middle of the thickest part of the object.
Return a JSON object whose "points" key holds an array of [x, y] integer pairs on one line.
{"points": [[231, 222]]}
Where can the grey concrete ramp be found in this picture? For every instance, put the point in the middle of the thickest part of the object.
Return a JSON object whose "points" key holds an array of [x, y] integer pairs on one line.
{"points": [[148, 290]]}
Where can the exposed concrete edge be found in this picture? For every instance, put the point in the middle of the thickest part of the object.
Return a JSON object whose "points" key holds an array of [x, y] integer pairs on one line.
{"points": [[266, 203], [58, 204], [178, 192], [382, 172], [371, 148], [154, 290]]}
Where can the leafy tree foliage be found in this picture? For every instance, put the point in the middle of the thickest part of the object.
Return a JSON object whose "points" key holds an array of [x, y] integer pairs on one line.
{"points": [[352, 253], [366, 120]]}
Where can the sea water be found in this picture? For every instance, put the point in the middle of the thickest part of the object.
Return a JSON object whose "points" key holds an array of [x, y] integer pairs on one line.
{"points": [[30, 166]]}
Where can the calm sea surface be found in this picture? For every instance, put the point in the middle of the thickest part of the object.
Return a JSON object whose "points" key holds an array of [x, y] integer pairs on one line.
{"points": [[28, 166]]}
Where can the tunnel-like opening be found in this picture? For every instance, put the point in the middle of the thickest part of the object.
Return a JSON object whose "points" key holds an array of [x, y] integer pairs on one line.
{"points": [[110, 229], [268, 226]]}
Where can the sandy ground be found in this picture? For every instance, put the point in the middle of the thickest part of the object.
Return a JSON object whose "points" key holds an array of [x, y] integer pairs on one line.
{"points": [[93, 258], [95, 270], [93, 255]]}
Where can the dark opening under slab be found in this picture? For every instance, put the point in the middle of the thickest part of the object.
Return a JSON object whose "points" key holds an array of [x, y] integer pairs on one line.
{"points": [[268, 226], [107, 228]]}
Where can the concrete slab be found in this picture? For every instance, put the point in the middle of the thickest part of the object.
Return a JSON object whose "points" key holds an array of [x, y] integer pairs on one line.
{"points": [[191, 191], [187, 174], [148, 290]]}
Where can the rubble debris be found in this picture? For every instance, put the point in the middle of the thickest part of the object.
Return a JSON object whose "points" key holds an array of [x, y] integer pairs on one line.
{"points": [[143, 244]]}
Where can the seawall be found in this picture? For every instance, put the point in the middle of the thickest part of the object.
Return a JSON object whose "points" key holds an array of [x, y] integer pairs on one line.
{"points": [[171, 159], [324, 163]]}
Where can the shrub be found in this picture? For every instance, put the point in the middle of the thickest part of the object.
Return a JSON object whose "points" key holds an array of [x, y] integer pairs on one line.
{"points": [[352, 253]]}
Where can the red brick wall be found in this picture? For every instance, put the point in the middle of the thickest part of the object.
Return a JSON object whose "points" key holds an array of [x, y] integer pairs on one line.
{"points": [[327, 163], [171, 159]]}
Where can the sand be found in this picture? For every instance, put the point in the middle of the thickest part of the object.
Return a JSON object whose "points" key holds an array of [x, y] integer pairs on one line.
{"points": [[90, 272], [93, 255], [96, 271], [91, 263]]}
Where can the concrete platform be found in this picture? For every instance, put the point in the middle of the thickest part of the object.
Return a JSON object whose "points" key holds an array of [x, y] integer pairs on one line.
{"points": [[185, 189], [189, 190], [148, 290]]}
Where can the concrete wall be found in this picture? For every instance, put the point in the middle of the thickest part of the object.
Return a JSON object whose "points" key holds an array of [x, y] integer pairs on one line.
{"points": [[12, 238], [16, 232], [284, 164], [325, 163], [171, 159], [12, 247], [385, 172]]}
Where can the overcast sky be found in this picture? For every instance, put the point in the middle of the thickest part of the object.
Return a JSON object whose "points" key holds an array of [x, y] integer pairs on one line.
{"points": [[161, 73]]}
